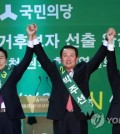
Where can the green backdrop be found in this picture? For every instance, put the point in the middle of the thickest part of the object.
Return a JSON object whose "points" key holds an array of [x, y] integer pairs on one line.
{"points": [[81, 23]]}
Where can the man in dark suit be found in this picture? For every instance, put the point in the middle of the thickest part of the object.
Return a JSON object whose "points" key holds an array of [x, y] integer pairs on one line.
{"points": [[67, 121], [114, 80], [10, 107]]}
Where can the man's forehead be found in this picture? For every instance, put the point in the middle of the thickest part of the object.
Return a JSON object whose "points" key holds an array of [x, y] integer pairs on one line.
{"points": [[1, 54], [68, 49]]}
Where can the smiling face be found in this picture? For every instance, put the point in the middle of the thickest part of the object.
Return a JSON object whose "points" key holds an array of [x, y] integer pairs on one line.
{"points": [[69, 58], [2, 60]]}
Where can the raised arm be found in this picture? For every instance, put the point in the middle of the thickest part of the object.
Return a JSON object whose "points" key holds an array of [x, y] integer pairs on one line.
{"points": [[94, 63], [41, 55], [112, 70]]}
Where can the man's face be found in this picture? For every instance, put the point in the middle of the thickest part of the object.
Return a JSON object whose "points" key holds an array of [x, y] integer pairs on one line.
{"points": [[2, 60], [69, 59]]}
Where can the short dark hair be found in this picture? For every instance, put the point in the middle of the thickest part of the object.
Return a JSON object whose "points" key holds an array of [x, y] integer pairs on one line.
{"points": [[67, 47], [4, 51]]}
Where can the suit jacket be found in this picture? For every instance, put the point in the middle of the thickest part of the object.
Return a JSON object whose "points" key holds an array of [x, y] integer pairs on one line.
{"points": [[114, 80], [9, 90], [59, 94]]}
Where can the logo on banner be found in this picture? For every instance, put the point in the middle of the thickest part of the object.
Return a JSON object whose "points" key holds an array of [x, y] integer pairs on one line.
{"points": [[8, 13], [97, 120]]}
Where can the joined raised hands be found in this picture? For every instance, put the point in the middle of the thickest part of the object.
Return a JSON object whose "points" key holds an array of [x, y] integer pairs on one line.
{"points": [[110, 35], [31, 31]]}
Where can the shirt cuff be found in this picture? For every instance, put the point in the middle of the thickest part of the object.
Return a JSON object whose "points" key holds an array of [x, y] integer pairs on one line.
{"points": [[30, 44], [35, 41], [105, 43], [110, 47]]}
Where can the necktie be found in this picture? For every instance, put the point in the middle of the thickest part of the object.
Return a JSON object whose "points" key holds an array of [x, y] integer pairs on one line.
{"points": [[69, 105]]}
